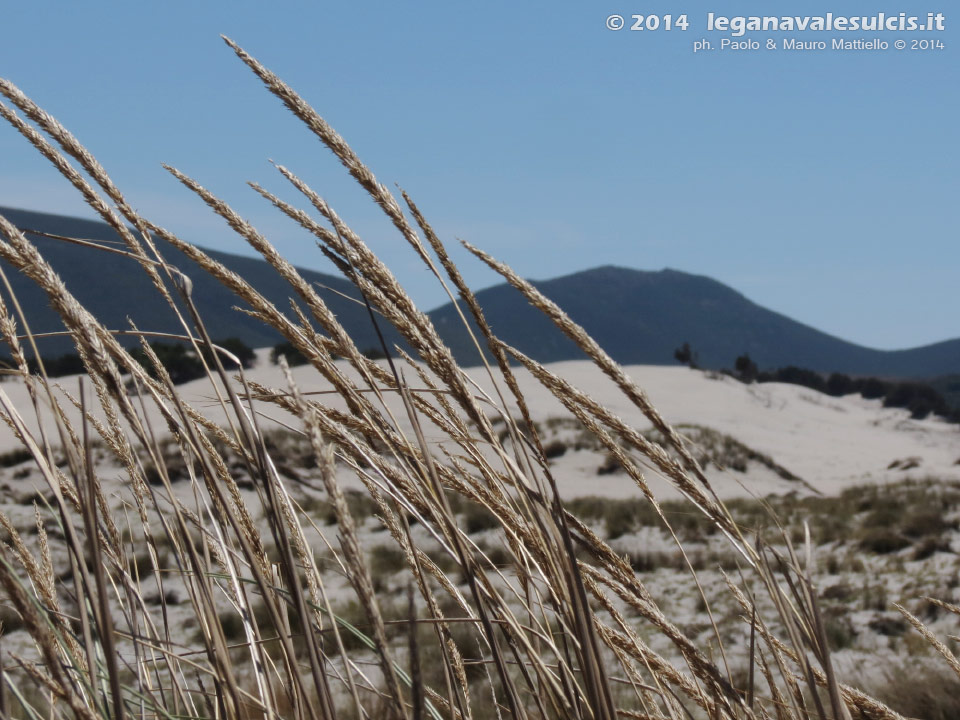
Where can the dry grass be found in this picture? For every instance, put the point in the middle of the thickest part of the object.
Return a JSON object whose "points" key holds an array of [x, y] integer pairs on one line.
{"points": [[548, 621]]}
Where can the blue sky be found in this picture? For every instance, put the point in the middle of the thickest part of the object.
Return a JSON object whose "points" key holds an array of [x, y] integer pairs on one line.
{"points": [[821, 185]]}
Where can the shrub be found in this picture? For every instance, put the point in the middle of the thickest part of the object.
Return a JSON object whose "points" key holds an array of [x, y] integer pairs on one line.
{"points": [[649, 561], [15, 457], [929, 546], [839, 630], [58, 366], [801, 376], [883, 541], [235, 346], [839, 385], [477, 518], [290, 352], [919, 691], [620, 520], [841, 592], [611, 464], [386, 559], [921, 400], [360, 505], [685, 356], [499, 557], [180, 362], [746, 368], [926, 522], [232, 626], [889, 626], [66, 364], [872, 388], [588, 507], [554, 449], [374, 353]]}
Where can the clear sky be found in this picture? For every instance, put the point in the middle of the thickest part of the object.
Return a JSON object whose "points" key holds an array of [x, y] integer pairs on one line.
{"points": [[822, 185]]}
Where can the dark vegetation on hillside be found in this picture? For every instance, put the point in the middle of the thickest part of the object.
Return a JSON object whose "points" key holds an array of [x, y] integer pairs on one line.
{"points": [[949, 387], [921, 399], [179, 360]]}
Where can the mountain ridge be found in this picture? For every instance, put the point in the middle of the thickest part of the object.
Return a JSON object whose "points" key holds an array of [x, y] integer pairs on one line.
{"points": [[122, 290], [669, 307], [637, 316]]}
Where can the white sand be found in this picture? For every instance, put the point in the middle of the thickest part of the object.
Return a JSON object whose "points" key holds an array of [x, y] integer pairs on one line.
{"points": [[831, 443]]}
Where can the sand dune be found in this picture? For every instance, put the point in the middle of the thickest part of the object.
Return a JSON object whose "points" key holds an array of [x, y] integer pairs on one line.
{"points": [[829, 443]]}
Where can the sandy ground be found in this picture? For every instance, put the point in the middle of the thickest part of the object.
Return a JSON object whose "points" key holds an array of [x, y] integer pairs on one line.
{"points": [[830, 443]]}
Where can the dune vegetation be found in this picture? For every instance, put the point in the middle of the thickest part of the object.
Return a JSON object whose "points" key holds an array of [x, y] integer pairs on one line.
{"points": [[224, 570]]}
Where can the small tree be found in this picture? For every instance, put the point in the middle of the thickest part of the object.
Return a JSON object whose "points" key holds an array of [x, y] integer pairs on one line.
{"points": [[685, 355], [238, 348], [746, 368], [288, 350], [181, 362], [872, 388]]}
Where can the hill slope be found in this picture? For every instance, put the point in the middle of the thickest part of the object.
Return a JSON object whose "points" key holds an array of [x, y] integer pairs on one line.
{"points": [[639, 317], [642, 317], [114, 288]]}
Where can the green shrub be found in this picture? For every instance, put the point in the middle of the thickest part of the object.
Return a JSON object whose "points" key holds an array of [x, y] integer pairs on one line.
{"points": [[499, 556], [841, 592], [232, 626], [801, 376], [888, 626], [589, 507], [360, 505], [929, 546], [66, 364]]}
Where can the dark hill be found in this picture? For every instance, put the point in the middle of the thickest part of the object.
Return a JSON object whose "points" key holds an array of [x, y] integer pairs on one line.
{"points": [[114, 288], [642, 317], [638, 316]]}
